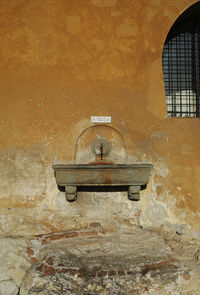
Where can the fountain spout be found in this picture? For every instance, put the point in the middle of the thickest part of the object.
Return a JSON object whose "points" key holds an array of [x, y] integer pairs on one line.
{"points": [[101, 148]]}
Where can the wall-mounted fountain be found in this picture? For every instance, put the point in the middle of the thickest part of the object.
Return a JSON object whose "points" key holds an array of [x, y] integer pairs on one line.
{"points": [[102, 171]]}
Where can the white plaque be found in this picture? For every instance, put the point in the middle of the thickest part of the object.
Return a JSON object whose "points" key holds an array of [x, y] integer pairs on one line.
{"points": [[101, 119]]}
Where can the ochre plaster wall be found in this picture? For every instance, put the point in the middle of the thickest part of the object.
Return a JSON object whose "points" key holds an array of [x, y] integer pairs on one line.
{"points": [[64, 61]]}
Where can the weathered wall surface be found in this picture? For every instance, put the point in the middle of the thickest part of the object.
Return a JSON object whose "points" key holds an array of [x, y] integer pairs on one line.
{"points": [[64, 61]]}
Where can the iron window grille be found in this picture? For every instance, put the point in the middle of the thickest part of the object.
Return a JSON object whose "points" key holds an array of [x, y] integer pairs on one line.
{"points": [[181, 69]]}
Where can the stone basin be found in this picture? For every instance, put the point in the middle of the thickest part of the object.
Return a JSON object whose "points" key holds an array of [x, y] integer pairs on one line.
{"points": [[132, 176]]}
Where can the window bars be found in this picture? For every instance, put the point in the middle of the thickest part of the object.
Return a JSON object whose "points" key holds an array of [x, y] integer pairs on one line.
{"points": [[181, 70]]}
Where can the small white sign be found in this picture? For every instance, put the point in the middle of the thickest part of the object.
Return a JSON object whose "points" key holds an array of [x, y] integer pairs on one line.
{"points": [[101, 119]]}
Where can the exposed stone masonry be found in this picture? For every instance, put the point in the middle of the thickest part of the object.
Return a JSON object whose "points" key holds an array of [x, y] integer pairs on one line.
{"points": [[98, 261]]}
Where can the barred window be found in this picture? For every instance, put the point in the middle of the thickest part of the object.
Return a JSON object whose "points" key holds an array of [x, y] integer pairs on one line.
{"points": [[181, 65]]}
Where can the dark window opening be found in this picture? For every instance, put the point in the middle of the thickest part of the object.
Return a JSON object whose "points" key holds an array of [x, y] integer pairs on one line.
{"points": [[181, 65]]}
